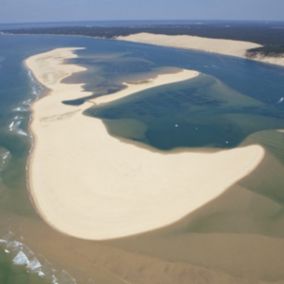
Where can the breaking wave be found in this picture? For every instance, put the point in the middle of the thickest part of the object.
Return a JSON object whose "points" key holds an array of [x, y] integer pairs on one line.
{"points": [[22, 108], [22, 255], [36, 88], [16, 125], [5, 156]]}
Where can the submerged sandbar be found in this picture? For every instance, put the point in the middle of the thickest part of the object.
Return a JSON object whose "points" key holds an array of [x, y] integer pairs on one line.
{"points": [[90, 185]]}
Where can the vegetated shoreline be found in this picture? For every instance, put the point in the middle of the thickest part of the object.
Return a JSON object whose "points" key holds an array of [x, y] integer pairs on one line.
{"points": [[90, 185]]}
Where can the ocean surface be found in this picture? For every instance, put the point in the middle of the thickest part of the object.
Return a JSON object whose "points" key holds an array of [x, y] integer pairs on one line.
{"points": [[233, 102]]}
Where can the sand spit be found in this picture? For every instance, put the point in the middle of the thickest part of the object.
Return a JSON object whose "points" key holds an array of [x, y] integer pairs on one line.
{"points": [[219, 46], [160, 80], [90, 185]]}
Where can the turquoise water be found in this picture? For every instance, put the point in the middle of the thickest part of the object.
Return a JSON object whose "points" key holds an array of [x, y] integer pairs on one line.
{"points": [[232, 101]]}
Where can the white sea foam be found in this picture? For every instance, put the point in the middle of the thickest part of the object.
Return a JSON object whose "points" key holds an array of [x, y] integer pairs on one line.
{"points": [[28, 102], [22, 132], [21, 109], [34, 264], [21, 255], [41, 274], [21, 259], [35, 86], [281, 100], [16, 125], [54, 280], [5, 156]]}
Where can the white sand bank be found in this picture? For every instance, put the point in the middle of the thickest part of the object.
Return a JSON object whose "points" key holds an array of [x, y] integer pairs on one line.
{"points": [[90, 185], [219, 46], [160, 80]]}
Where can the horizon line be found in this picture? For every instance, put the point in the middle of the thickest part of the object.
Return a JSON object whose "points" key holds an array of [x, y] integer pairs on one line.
{"points": [[142, 20]]}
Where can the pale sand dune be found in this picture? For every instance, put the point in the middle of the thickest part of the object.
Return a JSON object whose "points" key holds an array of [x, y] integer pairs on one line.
{"points": [[219, 46], [90, 185]]}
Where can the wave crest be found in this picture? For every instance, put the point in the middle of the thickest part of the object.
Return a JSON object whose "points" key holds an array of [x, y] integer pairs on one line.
{"points": [[22, 255]]}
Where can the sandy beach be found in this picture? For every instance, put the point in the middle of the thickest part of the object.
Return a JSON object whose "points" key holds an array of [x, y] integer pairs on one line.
{"points": [[90, 185], [218, 46]]}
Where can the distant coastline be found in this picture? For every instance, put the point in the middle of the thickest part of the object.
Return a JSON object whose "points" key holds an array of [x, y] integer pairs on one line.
{"points": [[219, 46]]}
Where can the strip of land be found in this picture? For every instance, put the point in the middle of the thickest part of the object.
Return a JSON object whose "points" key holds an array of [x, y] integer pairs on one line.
{"points": [[159, 80], [218, 46], [88, 184]]}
